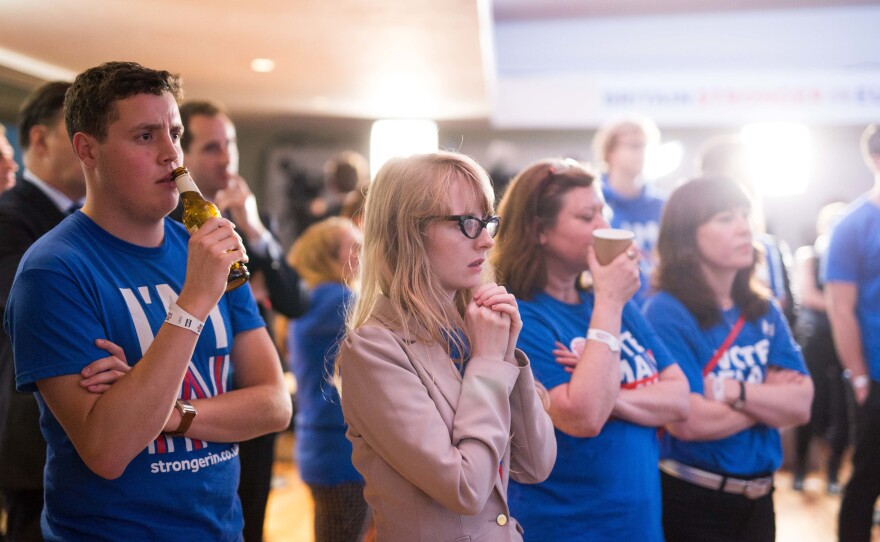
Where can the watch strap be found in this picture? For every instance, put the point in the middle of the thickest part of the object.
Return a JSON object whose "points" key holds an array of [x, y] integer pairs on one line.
{"points": [[187, 414], [740, 402]]}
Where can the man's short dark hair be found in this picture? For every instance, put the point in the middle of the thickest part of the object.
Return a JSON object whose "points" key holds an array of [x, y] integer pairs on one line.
{"points": [[90, 104], [43, 106], [191, 109]]}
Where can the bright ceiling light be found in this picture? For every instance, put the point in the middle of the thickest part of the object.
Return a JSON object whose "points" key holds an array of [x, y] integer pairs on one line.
{"points": [[662, 159], [402, 95], [262, 65], [400, 137], [779, 156]]}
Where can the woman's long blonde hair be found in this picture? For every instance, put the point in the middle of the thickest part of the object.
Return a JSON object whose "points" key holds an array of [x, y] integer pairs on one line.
{"points": [[400, 202]]}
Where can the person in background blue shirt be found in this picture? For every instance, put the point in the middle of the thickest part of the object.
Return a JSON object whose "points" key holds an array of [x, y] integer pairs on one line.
{"points": [[746, 374], [619, 148], [326, 257], [611, 381], [852, 288]]}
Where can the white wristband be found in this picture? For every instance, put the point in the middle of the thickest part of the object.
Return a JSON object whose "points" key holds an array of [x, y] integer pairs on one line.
{"points": [[603, 336], [180, 318], [858, 382]]}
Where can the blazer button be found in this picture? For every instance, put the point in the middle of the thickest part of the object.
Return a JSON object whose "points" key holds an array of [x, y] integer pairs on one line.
{"points": [[501, 520]]}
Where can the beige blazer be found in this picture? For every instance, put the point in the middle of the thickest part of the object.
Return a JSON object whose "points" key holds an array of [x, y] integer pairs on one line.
{"points": [[437, 450]]}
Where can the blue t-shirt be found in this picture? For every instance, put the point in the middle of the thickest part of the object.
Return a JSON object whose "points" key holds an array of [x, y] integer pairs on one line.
{"points": [[79, 283], [854, 257], [322, 451], [761, 343], [605, 488], [640, 215]]}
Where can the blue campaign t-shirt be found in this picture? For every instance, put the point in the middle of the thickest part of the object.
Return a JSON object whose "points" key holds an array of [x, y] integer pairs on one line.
{"points": [[323, 453], [605, 488], [640, 215], [79, 283], [854, 257], [764, 342]]}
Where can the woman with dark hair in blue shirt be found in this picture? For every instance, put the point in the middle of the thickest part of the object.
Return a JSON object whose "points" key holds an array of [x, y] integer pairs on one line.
{"points": [[747, 376]]}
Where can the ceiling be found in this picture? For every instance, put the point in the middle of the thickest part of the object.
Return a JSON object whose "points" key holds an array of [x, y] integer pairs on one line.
{"points": [[357, 59], [347, 58]]}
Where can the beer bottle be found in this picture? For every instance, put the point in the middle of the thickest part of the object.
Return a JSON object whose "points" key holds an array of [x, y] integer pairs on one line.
{"points": [[196, 210]]}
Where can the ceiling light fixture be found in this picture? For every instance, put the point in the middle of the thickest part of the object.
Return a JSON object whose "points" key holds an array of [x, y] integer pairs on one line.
{"points": [[262, 65]]}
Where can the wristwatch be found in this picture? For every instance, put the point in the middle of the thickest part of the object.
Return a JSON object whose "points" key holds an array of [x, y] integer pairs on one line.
{"points": [[187, 414], [740, 402]]}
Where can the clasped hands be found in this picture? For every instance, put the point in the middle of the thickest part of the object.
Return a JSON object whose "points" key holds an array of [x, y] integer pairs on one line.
{"points": [[493, 322]]}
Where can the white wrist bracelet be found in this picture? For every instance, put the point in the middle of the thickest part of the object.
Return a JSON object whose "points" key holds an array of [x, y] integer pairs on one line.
{"points": [[603, 336], [858, 382], [180, 318]]}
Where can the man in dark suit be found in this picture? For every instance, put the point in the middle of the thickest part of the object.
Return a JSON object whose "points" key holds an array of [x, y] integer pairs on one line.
{"points": [[52, 184], [210, 148]]}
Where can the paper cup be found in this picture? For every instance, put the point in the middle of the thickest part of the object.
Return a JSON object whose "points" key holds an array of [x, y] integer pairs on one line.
{"points": [[610, 242]]}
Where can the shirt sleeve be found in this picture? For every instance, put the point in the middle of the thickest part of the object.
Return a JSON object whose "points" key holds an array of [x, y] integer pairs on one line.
{"points": [[678, 331], [842, 261], [243, 310], [537, 339], [648, 337], [53, 326]]}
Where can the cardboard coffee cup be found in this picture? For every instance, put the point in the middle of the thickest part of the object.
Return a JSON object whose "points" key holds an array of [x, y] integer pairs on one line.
{"points": [[610, 242]]}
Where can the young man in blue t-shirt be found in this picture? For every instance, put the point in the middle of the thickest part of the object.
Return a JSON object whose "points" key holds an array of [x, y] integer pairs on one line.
{"points": [[619, 149], [155, 455], [852, 287]]}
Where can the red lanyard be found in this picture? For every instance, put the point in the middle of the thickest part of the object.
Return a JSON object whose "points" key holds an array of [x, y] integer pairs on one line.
{"points": [[716, 357]]}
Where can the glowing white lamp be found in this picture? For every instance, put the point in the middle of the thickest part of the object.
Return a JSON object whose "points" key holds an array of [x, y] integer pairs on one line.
{"points": [[400, 137], [779, 156], [662, 159]]}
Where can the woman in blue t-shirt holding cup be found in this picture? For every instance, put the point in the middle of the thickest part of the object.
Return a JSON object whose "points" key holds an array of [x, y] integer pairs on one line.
{"points": [[747, 376], [611, 382]]}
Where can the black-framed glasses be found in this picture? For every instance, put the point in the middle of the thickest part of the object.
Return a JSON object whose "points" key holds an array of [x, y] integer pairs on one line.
{"points": [[471, 226]]}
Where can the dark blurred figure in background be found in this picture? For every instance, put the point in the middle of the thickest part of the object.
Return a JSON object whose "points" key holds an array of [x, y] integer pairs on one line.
{"points": [[8, 165], [619, 149], [345, 173], [210, 147], [852, 286], [829, 417], [52, 184], [353, 206], [725, 156]]}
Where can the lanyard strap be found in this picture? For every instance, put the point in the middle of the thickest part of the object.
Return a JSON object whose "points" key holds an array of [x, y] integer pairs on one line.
{"points": [[716, 357]]}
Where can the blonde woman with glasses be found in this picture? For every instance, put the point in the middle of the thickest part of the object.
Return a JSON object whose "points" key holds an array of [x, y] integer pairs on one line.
{"points": [[442, 409], [611, 381]]}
